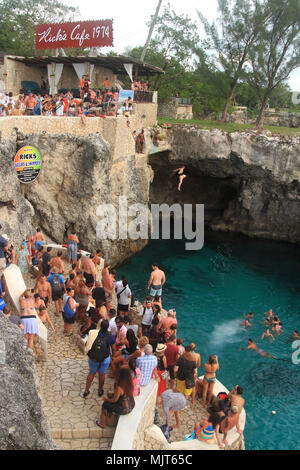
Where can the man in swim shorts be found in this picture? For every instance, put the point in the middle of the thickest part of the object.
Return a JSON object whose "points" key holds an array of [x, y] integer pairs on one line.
{"points": [[156, 281], [261, 352]]}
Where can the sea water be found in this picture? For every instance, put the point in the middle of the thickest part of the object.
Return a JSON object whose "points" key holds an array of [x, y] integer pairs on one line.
{"points": [[211, 290]]}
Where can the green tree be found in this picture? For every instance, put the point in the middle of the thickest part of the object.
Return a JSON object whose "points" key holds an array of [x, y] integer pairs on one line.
{"points": [[175, 39], [232, 37], [276, 53], [18, 19]]}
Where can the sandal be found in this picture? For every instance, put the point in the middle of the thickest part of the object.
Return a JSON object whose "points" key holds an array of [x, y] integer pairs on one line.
{"points": [[68, 336], [100, 393], [99, 424]]}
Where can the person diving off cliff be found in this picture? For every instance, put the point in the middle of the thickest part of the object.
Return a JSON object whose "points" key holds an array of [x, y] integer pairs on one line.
{"points": [[182, 173]]}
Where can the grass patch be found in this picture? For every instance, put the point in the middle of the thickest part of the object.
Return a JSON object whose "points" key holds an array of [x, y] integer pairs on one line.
{"points": [[228, 126]]}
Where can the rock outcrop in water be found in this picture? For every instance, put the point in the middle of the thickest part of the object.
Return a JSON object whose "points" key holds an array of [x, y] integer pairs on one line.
{"points": [[248, 182], [22, 422]]}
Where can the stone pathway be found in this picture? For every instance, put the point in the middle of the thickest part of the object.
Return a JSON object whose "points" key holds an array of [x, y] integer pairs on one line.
{"points": [[70, 417], [62, 378]]}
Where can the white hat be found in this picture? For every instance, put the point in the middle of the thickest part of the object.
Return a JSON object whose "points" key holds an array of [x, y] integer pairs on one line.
{"points": [[5, 236], [160, 348]]}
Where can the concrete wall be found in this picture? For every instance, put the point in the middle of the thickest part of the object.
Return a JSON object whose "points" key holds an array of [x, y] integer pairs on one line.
{"points": [[18, 71], [170, 107], [131, 428], [136, 431]]}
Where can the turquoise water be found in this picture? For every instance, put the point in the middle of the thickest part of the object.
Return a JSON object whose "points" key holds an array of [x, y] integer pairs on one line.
{"points": [[211, 289]]}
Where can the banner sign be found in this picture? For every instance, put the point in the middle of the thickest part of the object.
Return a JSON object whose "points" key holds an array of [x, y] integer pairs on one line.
{"points": [[75, 35], [124, 94], [28, 164]]}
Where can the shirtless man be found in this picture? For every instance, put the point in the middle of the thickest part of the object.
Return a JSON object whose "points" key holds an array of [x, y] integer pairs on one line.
{"points": [[108, 279], [249, 316], [43, 288], [30, 103], [99, 264], [229, 422], [293, 337], [246, 323], [268, 335], [236, 399], [58, 263], [253, 346], [156, 281], [89, 271], [38, 239]]}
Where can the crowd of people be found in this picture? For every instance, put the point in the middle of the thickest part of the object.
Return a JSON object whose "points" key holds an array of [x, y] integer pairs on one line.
{"points": [[135, 344], [87, 102]]}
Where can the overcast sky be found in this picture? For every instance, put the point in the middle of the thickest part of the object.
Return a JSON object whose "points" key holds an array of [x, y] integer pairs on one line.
{"points": [[131, 18]]}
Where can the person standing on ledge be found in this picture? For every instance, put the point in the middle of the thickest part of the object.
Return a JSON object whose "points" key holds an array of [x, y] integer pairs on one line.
{"points": [[38, 239], [156, 281]]}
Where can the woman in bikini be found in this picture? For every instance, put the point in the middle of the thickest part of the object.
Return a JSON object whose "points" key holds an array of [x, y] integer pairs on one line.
{"points": [[209, 378], [28, 318]]}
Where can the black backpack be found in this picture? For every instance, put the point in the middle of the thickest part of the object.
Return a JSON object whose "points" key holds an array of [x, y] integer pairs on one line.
{"points": [[55, 283], [98, 350]]}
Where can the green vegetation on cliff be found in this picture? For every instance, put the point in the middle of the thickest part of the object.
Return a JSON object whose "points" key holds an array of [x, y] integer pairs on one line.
{"points": [[228, 126]]}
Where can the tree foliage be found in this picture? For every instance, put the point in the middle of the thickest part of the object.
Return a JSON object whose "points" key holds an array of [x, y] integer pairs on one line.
{"points": [[232, 36], [276, 53], [19, 17]]}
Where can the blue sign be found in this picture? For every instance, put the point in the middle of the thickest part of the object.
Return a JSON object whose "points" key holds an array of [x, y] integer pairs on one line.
{"points": [[124, 94]]}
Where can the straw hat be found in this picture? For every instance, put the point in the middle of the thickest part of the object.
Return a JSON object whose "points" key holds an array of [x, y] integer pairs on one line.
{"points": [[160, 348]]}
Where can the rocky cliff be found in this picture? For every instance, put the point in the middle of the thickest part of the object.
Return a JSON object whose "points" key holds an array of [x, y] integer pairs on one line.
{"points": [[248, 182], [22, 422], [78, 175]]}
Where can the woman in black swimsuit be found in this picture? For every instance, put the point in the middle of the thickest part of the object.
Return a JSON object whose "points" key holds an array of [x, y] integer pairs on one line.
{"points": [[181, 171]]}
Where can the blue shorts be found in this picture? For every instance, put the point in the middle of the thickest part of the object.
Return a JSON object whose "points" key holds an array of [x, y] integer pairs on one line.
{"points": [[100, 367], [154, 292]]}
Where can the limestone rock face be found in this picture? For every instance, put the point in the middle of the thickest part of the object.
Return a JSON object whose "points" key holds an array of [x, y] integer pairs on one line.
{"points": [[78, 175], [248, 182], [15, 211], [22, 422]]}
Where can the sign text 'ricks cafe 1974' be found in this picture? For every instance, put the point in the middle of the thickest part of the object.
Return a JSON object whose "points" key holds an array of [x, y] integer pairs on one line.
{"points": [[74, 35]]}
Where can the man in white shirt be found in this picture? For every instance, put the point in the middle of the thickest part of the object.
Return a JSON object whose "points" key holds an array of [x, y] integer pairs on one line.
{"points": [[123, 296], [147, 314], [112, 322]]}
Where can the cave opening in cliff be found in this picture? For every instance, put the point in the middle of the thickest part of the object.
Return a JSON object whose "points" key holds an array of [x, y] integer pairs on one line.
{"points": [[199, 187]]}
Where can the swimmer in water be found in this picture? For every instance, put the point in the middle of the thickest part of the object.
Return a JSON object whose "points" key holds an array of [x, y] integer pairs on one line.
{"points": [[268, 335], [261, 352], [293, 337], [249, 316], [246, 323], [277, 329]]}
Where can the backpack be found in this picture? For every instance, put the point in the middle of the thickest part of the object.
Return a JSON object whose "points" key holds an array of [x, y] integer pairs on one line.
{"points": [[55, 283], [166, 431], [69, 313], [99, 349]]}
